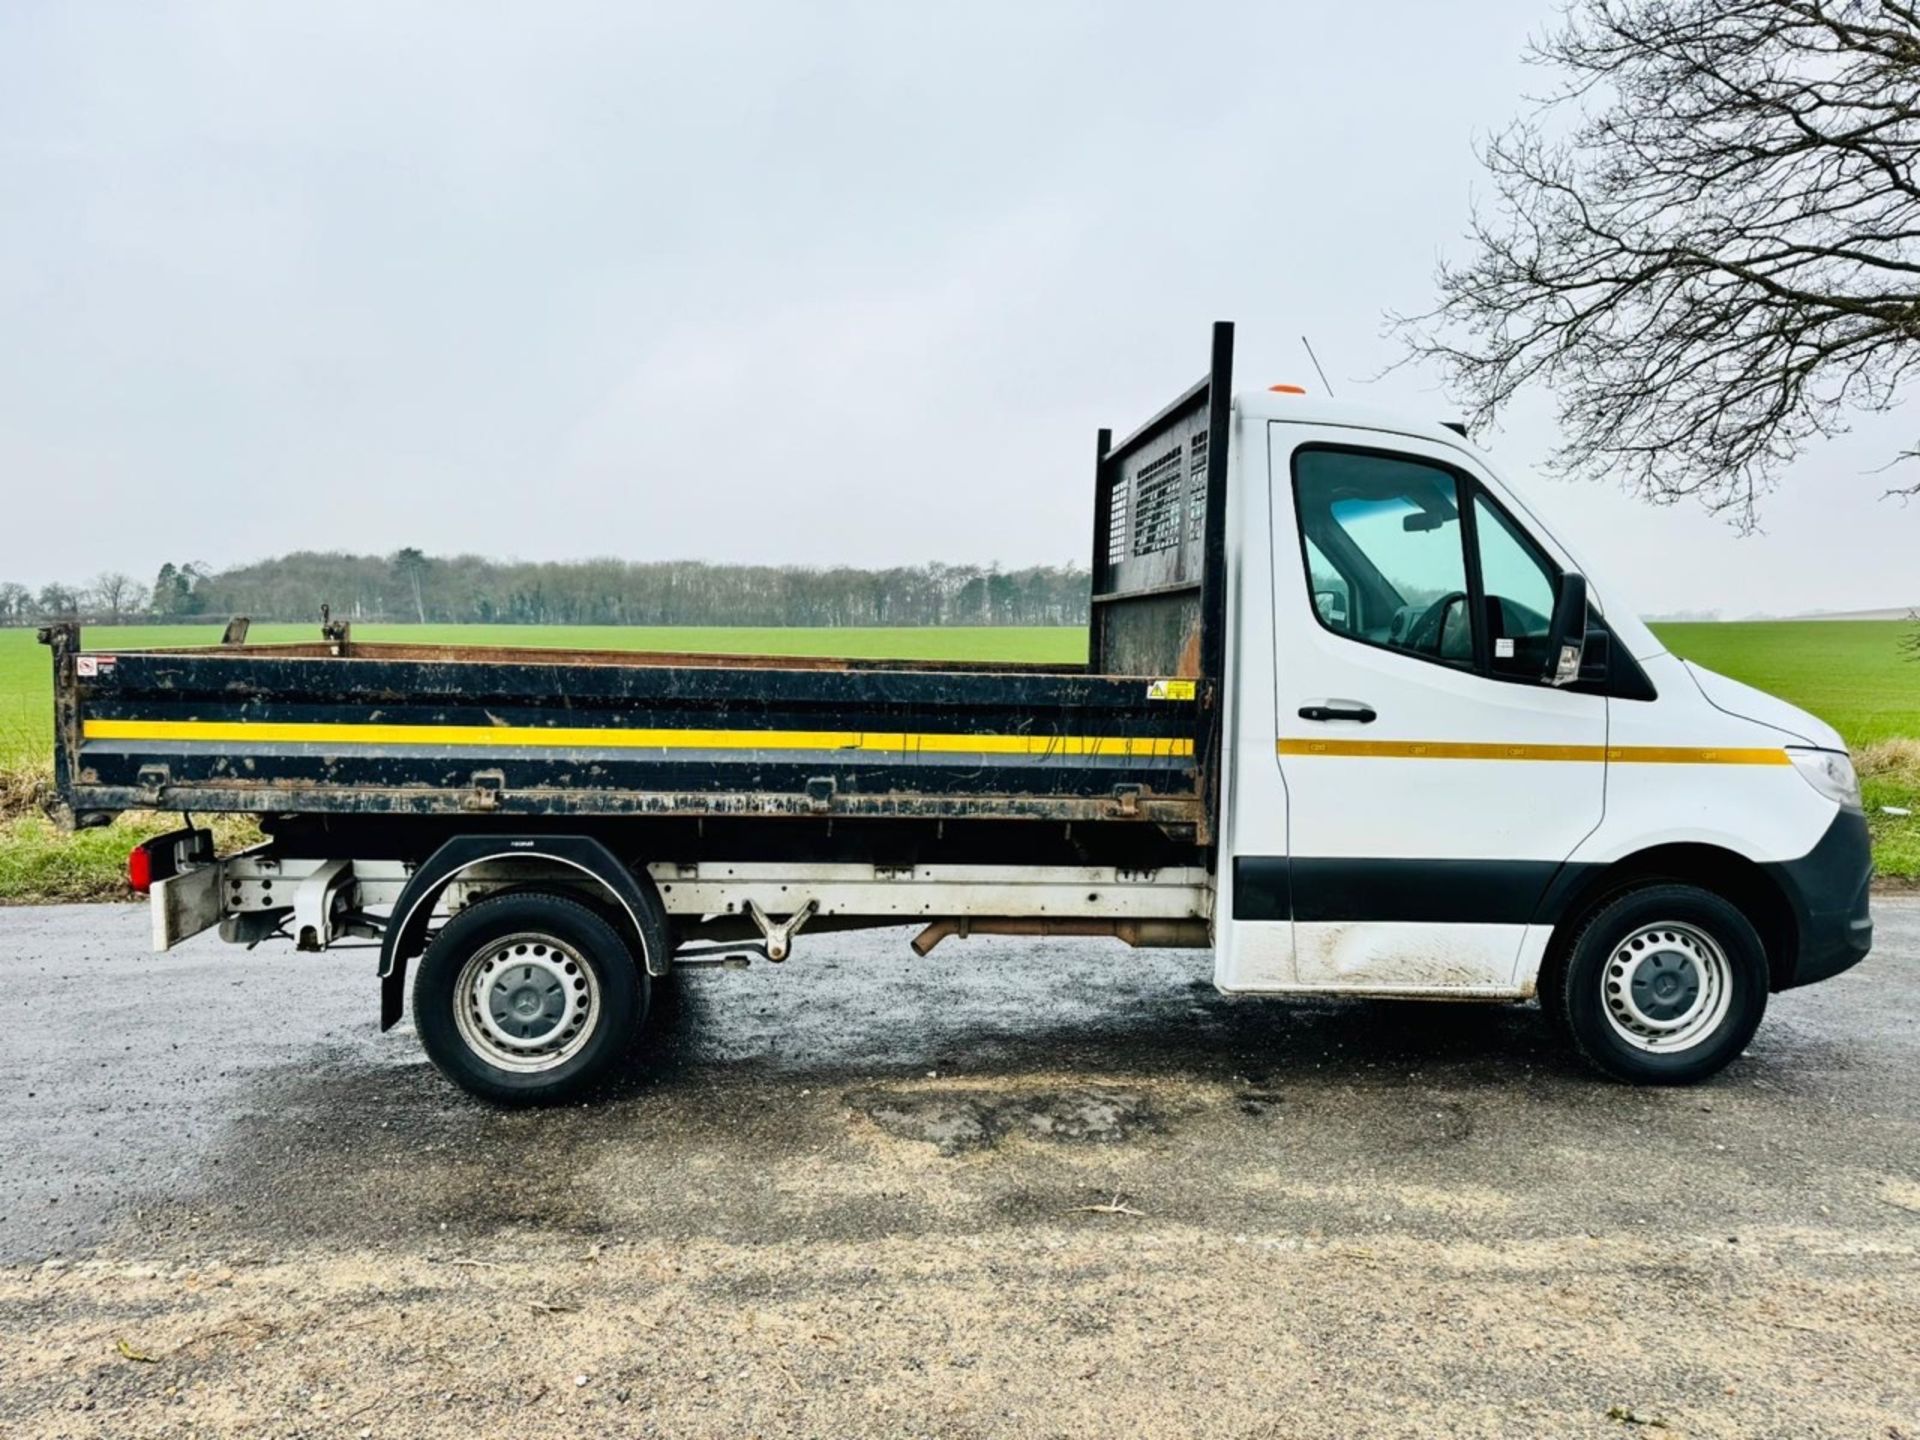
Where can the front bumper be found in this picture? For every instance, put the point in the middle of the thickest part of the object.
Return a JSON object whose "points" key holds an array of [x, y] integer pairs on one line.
{"points": [[1828, 890]]}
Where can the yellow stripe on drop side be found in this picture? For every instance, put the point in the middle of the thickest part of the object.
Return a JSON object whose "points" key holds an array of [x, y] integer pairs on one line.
{"points": [[584, 737], [1566, 754]]}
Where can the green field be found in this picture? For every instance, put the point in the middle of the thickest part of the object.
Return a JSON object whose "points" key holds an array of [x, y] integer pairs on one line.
{"points": [[1851, 673]]}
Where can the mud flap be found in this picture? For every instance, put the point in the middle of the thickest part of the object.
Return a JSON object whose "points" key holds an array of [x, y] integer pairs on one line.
{"points": [[183, 905]]}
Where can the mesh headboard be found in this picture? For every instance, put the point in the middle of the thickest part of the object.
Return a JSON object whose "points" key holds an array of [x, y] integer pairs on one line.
{"points": [[1159, 534]]}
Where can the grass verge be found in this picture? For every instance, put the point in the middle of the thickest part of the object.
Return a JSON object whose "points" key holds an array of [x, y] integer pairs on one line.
{"points": [[41, 864], [1890, 777]]}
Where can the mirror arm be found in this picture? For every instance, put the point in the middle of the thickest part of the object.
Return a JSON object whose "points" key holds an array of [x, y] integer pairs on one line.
{"points": [[1566, 637]]}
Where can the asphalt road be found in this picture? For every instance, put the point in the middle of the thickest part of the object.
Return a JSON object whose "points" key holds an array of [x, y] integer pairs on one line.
{"points": [[1018, 1188]]}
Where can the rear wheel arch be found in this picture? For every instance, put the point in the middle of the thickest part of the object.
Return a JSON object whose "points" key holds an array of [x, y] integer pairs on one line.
{"points": [[626, 899]]}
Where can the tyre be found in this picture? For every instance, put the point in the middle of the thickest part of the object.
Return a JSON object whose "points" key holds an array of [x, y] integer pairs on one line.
{"points": [[528, 998], [1663, 985]]}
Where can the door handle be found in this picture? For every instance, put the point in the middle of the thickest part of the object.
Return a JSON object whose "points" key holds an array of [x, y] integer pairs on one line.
{"points": [[1357, 710]]}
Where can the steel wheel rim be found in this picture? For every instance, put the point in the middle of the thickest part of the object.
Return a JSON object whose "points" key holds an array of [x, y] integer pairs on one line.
{"points": [[526, 1003], [1666, 987]]}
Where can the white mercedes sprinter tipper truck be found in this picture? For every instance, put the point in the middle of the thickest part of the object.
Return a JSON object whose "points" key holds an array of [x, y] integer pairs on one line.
{"points": [[1354, 716]]}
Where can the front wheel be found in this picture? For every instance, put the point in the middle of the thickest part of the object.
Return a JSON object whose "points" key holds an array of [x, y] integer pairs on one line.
{"points": [[1663, 985], [528, 998]]}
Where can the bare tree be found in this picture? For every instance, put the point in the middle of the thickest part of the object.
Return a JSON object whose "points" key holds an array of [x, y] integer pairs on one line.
{"points": [[118, 593], [16, 602], [1706, 241]]}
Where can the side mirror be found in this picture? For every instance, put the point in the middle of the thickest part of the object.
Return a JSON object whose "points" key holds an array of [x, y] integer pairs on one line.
{"points": [[1332, 605], [1567, 635]]}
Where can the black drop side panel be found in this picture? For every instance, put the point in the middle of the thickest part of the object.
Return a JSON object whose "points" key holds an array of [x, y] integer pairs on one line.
{"points": [[216, 730]]}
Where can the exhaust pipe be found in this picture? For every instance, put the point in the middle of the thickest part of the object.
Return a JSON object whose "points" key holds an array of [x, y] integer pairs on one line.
{"points": [[1141, 934]]}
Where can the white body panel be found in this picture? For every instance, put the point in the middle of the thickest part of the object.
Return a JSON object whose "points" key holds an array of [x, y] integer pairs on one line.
{"points": [[920, 891], [1760, 812]]}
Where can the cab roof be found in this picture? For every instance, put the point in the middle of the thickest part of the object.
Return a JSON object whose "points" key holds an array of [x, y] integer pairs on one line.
{"points": [[1310, 409]]}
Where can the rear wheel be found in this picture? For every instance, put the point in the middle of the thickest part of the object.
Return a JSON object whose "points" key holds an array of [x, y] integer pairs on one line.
{"points": [[528, 998], [1663, 985]]}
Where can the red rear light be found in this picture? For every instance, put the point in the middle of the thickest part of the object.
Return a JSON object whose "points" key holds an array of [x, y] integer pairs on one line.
{"points": [[140, 869]]}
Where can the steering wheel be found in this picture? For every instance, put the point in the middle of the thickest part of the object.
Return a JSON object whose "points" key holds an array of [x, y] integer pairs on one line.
{"points": [[1427, 633]]}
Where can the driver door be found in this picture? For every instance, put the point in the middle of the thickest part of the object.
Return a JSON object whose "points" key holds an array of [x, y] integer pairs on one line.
{"points": [[1435, 782]]}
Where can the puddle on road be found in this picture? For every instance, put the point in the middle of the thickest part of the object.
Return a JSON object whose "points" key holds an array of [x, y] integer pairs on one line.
{"points": [[958, 1120], [792, 1111]]}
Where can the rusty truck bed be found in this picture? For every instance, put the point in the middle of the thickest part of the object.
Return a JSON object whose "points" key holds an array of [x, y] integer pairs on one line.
{"points": [[413, 729]]}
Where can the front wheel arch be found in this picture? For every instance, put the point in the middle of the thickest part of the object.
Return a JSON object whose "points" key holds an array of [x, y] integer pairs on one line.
{"points": [[1741, 882]]}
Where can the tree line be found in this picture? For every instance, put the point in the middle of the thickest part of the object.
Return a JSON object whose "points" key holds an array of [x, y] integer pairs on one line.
{"points": [[410, 585]]}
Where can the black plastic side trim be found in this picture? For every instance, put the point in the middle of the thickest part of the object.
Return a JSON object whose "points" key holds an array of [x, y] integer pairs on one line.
{"points": [[1829, 889], [1455, 892], [1488, 892], [1262, 888]]}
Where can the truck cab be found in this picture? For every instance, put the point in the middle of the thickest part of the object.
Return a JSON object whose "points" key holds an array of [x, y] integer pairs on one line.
{"points": [[1437, 787], [1353, 715]]}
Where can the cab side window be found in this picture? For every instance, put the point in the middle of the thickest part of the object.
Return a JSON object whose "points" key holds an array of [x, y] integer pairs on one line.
{"points": [[1386, 552], [1519, 585]]}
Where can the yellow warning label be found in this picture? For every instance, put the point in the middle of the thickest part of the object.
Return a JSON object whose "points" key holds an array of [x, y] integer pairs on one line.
{"points": [[1170, 690]]}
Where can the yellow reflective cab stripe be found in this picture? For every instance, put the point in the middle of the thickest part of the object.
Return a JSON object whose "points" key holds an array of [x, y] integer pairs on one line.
{"points": [[1577, 754], [595, 737], [1698, 755]]}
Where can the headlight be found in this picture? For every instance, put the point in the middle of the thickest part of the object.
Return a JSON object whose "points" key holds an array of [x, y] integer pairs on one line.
{"points": [[1830, 772]]}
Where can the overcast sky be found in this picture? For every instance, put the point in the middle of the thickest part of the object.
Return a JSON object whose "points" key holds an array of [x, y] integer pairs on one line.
{"points": [[739, 282]]}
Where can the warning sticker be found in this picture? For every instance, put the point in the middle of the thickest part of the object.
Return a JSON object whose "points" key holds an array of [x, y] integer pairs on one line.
{"points": [[1170, 690], [89, 667]]}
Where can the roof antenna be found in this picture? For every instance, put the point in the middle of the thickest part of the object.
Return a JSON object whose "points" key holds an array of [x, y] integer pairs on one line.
{"points": [[1316, 366]]}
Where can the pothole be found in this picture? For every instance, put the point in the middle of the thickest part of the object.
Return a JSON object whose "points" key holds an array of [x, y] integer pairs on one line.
{"points": [[956, 1120]]}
